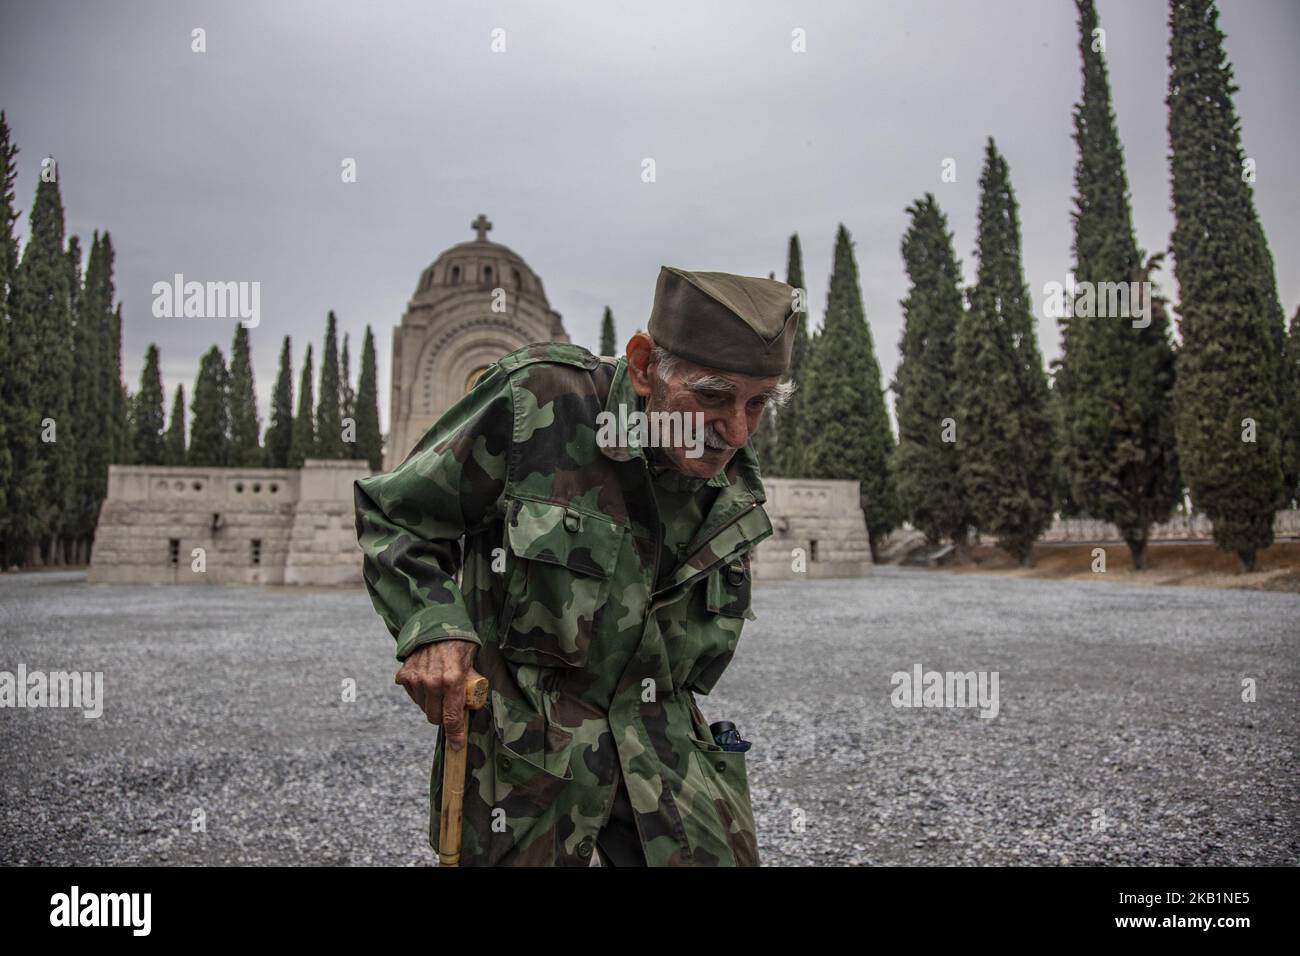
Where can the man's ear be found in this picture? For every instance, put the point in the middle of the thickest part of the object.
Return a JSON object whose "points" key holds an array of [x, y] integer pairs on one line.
{"points": [[640, 348]]}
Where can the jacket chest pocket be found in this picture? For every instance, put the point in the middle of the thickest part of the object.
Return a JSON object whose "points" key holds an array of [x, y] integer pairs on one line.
{"points": [[563, 560], [714, 632]]}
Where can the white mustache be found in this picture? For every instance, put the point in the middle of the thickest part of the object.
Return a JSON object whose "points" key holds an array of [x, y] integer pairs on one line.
{"points": [[714, 441]]}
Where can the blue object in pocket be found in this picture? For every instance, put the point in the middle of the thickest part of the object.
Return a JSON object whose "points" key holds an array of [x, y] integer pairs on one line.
{"points": [[726, 736]]}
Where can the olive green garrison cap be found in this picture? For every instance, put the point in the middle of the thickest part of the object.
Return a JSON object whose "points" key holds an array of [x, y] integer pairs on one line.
{"points": [[734, 323]]}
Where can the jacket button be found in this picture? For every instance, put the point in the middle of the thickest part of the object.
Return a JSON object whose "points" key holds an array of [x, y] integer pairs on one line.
{"points": [[503, 762], [720, 766], [584, 848], [572, 522]]}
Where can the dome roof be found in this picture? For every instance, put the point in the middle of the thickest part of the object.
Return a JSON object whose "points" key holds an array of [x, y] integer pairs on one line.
{"points": [[479, 264]]}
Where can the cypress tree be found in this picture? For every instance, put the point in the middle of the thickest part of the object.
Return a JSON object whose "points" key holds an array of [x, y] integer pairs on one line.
{"points": [[329, 427], [370, 443], [210, 411], [114, 409], [1230, 367], [147, 418], [347, 394], [1003, 425], [1116, 377], [110, 407], [44, 310], [303, 442], [280, 433], [1291, 404], [926, 465], [121, 407], [85, 411], [245, 424], [853, 439], [790, 440], [174, 439], [12, 417], [608, 341]]}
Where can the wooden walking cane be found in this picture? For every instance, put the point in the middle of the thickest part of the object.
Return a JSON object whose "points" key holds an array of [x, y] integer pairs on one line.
{"points": [[453, 778]]}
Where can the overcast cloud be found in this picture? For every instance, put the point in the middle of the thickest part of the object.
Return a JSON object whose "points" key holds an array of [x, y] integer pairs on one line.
{"points": [[226, 165]]}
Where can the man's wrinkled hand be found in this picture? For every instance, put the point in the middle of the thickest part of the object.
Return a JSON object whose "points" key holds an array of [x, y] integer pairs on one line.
{"points": [[435, 676]]}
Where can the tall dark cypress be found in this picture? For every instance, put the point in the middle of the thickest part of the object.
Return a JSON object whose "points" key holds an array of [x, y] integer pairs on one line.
{"points": [[303, 443], [608, 342], [121, 409], [329, 425], [279, 435], [100, 294], [174, 438], [370, 443], [210, 410], [245, 423], [1116, 377], [122, 405], [790, 441], [926, 465], [849, 435], [147, 416], [1004, 434], [44, 311], [85, 410], [1291, 416], [12, 417], [347, 394], [1230, 368], [97, 306]]}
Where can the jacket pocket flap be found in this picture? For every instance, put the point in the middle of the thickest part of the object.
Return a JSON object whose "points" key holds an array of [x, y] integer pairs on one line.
{"points": [[545, 531], [524, 740], [728, 590]]}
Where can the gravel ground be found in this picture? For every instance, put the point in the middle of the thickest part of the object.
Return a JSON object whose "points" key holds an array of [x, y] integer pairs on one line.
{"points": [[1121, 737]]}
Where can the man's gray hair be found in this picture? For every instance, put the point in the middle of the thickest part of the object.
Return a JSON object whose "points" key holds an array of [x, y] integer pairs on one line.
{"points": [[667, 364]]}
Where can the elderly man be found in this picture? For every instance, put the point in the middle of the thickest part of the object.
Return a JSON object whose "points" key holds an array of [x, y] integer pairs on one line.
{"points": [[604, 581]]}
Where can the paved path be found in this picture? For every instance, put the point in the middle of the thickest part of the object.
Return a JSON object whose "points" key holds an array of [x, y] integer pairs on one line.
{"points": [[1121, 735]]}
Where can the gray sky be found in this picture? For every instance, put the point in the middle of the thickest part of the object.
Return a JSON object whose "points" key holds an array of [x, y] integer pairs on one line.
{"points": [[226, 165]]}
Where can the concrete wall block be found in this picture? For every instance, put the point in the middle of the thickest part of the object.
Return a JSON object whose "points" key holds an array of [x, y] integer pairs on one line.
{"points": [[308, 533]]}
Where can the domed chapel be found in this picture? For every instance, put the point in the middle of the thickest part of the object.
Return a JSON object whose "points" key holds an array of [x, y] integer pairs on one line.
{"points": [[451, 332]]}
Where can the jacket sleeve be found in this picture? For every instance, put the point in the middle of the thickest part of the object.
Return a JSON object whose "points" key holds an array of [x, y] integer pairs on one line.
{"points": [[410, 520]]}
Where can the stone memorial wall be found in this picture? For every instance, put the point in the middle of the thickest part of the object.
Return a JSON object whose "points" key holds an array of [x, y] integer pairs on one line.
{"points": [[168, 525], [824, 519], [174, 525]]}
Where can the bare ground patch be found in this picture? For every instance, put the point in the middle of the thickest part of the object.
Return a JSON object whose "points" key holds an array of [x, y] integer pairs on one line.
{"points": [[1197, 563]]}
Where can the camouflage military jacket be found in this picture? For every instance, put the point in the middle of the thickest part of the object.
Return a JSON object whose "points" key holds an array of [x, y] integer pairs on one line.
{"points": [[592, 669]]}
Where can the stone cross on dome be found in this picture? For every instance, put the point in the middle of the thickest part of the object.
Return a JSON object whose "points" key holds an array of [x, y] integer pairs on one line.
{"points": [[481, 225]]}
